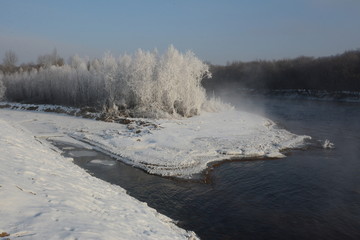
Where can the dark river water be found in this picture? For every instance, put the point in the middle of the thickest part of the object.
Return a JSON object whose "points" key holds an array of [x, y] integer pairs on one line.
{"points": [[311, 194]]}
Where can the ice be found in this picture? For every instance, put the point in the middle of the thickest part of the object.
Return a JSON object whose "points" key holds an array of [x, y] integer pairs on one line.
{"points": [[328, 145], [82, 153], [103, 162]]}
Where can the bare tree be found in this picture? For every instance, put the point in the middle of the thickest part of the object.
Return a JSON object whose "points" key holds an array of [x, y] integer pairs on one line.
{"points": [[10, 59], [48, 60]]}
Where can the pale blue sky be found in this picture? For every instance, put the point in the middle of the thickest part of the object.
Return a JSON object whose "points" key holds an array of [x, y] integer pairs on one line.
{"points": [[216, 31]]}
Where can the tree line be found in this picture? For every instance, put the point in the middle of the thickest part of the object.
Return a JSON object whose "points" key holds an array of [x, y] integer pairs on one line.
{"points": [[334, 73], [144, 84], [9, 64], [149, 84]]}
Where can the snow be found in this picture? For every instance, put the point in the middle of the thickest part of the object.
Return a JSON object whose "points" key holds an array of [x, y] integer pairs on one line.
{"points": [[103, 162], [46, 196], [328, 145]]}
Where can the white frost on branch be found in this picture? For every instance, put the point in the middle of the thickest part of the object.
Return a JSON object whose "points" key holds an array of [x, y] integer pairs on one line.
{"points": [[2, 87]]}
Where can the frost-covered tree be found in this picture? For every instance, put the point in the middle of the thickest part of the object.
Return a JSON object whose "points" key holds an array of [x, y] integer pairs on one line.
{"points": [[144, 84], [2, 87], [9, 61], [51, 59], [108, 71], [181, 76]]}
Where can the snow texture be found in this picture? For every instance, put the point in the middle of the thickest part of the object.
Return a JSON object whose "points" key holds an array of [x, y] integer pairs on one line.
{"points": [[45, 196], [185, 147]]}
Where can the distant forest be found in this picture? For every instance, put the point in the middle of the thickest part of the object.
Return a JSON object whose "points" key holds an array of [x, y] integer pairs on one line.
{"points": [[334, 73]]}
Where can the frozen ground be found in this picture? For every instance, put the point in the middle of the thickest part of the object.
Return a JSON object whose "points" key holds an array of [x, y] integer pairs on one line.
{"points": [[45, 196]]}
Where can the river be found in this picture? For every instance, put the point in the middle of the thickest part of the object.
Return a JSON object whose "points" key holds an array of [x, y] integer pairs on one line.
{"points": [[313, 193]]}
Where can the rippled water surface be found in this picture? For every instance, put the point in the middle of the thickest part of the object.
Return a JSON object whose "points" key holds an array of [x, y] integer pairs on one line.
{"points": [[311, 194]]}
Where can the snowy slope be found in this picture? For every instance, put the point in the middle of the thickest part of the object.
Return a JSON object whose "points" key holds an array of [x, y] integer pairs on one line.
{"points": [[45, 196]]}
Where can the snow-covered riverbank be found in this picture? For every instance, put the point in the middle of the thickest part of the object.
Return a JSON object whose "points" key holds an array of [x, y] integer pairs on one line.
{"points": [[46, 196]]}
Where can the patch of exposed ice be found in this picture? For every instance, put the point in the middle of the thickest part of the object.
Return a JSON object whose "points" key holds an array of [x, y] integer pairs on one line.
{"points": [[82, 153], [68, 148], [328, 145], [103, 162]]}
